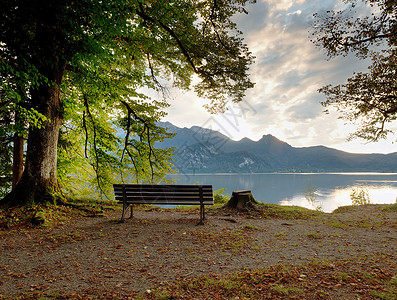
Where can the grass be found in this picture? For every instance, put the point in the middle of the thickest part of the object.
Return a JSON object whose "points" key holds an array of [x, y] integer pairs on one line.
{"points": [[314, 235], [383, 295], [234, 240], [341, 276], [306, 281], [66, 237], [337, 224], [92, 206], [280, 234], [288, 212], [283, 290], [50, 215], [375, 221], [356, 277], [45, 215], [390, 207], [272, 211], [349, 208], [250, 227]]}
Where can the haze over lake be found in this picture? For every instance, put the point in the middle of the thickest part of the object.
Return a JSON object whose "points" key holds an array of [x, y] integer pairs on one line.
{"points": [[331, 189]]}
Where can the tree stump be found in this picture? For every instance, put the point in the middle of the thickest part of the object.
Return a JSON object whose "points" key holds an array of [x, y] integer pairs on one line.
{"points": [[242, 200]]}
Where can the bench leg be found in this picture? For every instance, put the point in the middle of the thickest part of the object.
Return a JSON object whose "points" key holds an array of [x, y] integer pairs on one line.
{"points": [[132, 212], [125, 208], [123, 214], [202, 216]]}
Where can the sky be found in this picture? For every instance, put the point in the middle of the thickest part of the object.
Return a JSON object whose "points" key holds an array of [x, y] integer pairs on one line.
{"points": [[288, 71]]}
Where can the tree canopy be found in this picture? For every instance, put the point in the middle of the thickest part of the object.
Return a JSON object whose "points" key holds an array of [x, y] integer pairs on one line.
{"points": [[369, 98], [82, 75]]}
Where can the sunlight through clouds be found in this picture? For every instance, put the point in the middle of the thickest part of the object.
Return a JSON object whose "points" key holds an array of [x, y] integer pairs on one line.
{"points": [[288, 71]]}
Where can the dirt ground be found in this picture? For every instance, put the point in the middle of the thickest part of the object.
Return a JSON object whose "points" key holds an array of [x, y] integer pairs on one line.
{"points": [[158, 247]]}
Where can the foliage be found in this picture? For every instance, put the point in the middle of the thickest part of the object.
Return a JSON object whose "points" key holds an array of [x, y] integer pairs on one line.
{"points": [[220, 197], [360, 196], [94, 156], [5, 163], [6, 149], [102, 70], [368, 98]]}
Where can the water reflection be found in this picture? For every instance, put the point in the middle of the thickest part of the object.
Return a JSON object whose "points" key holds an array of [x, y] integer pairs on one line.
{"points": [[331, 190], [339, 197]]}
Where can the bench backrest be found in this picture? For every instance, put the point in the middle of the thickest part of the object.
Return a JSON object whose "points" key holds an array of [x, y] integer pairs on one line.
{"points": [[164, 194]]}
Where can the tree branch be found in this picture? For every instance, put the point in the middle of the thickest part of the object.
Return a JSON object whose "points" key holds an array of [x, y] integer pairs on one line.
{"points": [[146, 17], [96, 167], [146, 128], [86, 135]]}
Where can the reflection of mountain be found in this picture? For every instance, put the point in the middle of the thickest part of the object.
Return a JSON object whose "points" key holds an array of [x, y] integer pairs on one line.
{"points": [[204, 150]]}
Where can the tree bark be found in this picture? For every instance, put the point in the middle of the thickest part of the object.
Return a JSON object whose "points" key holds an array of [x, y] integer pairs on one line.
{"points": [[241, 200], [17, 154], [17, 160], [39, 180]]}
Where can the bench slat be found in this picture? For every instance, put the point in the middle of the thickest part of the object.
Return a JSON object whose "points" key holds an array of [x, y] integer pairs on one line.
{"points": [[163, 189], [175, 186], [171, 202], [176, 194], [144, 195], [164, 192], [157, 195], [194, 193], [129, 194], [163, 198]]}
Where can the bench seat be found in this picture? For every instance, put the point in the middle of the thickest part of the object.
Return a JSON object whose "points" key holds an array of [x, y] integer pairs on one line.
{"points": [[130, 194]]}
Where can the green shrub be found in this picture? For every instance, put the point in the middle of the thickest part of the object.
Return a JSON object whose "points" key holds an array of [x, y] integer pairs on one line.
{"points": [[360, 196], [220, 197]]}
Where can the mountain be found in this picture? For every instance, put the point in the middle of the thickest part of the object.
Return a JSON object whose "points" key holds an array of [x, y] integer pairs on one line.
{"points": [[203, 150]]}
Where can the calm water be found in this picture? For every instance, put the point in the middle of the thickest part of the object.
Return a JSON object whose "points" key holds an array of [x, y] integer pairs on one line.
{"points": [[331, 190]]}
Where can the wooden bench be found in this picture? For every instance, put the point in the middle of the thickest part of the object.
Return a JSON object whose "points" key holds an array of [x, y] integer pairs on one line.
{"points": [[130, 194]]}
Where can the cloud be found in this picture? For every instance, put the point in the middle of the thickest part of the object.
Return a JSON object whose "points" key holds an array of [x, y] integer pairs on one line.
{"points": [[288, 72], [306, 110], [258, 17]]}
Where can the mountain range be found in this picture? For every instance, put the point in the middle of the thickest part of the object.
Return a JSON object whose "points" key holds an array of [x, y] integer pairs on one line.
{"points": [[202, 150]]}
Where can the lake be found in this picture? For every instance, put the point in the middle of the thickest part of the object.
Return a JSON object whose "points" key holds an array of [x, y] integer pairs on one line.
{"points": [[330, 190]]}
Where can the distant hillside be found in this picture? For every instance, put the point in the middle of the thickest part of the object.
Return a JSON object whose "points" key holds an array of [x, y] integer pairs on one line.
{"points": [[202, 150]]}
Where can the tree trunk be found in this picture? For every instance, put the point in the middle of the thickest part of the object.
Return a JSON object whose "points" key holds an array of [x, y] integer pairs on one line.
{"points": [[241, 200], [39, 179], [17, 160]]}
